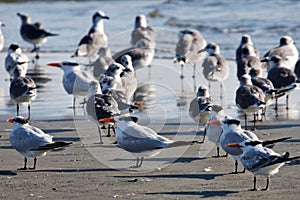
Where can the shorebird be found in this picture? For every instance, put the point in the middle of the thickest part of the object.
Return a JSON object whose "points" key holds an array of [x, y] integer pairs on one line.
{"points": [[215, 66], [200, 106], [142, 53], [100, 106], [141, 30], [249, 98], [33, 33], [233, 133], [283, 78], [297, 70], [286, 50], [190, 41], [246, 41], [96, 38], [75, 81], [103, 62], [1, 36], [30, 141], [15, 57], [260, 160], [140, 140], [22, 89]]}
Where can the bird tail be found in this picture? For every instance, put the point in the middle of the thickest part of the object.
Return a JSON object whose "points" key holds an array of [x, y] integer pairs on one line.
{"points": [[281, 92], [55, 146], [284, 158], [181, 143], [51, 34], [270, 143]]}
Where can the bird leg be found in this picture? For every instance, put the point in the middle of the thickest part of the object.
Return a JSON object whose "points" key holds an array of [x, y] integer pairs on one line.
{"points": [[254, 185], [99, 131], [28, 111], [108, 131], [18, 109], [25, 165], [194, 71], [138, 162], [254, 122], [181, 75], [268, 183], [204, 134], [287, 102], [218, 153], [34, 163], [246, 121]]}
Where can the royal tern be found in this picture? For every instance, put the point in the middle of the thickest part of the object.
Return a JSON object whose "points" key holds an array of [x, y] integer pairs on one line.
{"points": [[141, 30], [260, 160], [246, 41], [286, 50], [75, 81], [96, 38], [249, 98], [103, 62], [215, 66], [33, 33], [22, 88], [100, 106], [30, 141], [140, 140], [200, 106], [233, 133], [283, 78], [15, 57], [1, 36], [189, 42], [141, 54]]}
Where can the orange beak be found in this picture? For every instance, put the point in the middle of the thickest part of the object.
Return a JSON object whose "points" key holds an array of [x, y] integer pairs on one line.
{"points": [[215, 122], [234, 145], [11, 120], [107, 120], [53, 64]]}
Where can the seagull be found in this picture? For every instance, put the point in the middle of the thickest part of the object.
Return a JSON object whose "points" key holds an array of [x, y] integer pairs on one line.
{"points": [[215, 66], [297, 70], [140, 140], [142, 53], [260, 160], [96, 38], [30, 141], [286, 50], [283, 78], [246, 41], [233, 133], [15, 57], [33, 33], [75, 81], [247, 61], [102, 63], [249, 98], [1, 36], [200, 106], [189, 42], [100, 106], [22, 88], [141, 30]]}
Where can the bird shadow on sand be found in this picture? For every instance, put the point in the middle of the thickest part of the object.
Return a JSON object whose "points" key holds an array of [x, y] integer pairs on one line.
{"points": [[276, 126], [7, 173], [91, 170], [203, 194], [51, 131]]}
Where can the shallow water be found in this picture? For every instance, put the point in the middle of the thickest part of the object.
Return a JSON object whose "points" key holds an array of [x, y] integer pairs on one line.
{"points": [[223, 22]]}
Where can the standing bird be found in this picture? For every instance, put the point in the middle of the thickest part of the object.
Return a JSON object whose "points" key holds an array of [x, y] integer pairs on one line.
{"points": [[33, 33], [141, 30], [15, 57], [100, 106], [260, 160], [140, 140], [297, 70], [246, 41], [215, 66], [286, 50], [249, 98], [22, 88], [190, 41], [200, 106], [103, 62], [1, 36], [283, 78], [30, 141], [96, 38], [75, 81]]}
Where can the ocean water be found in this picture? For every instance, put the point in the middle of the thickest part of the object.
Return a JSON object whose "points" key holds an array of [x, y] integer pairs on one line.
{"points": [[223, 22]]}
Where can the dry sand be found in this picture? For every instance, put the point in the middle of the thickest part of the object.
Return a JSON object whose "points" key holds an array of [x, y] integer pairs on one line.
{"points": [[75, 174]]}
